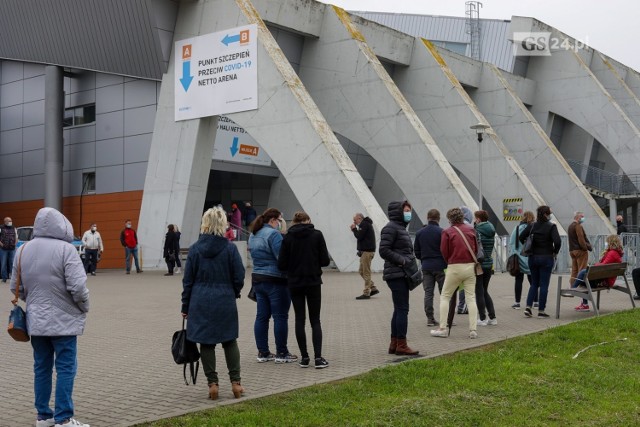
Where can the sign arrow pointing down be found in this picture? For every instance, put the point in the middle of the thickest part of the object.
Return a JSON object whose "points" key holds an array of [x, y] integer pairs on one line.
{"points": [[234, 147], [186, 75]]}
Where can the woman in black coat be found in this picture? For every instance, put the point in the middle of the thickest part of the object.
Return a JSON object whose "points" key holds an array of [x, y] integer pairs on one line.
{"points": [[397, 250], [169, 252], [302, 254]]}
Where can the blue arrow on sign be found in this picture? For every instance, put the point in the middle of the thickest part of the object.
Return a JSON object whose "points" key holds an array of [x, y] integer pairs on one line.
{"points": [[234, 147], [230, 39], [186, 75]]}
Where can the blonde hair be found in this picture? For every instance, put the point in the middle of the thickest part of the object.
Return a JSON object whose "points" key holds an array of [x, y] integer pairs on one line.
{"points": [[214, 221], [614, 242], [527, 217], [300, 217]]}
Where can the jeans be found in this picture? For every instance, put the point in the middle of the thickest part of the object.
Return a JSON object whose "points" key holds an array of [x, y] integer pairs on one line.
{"points": [[483, 299], [128, 253], [540, 267], [429, 280], [6, 259], [580, 281], [400, 297], [231, 356], [273, 301], [518, 287], [61, 351], [91, 255], [312, 295]]}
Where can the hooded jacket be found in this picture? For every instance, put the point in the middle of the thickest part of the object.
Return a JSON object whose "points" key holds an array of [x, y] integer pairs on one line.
{"points": [[213, 278], [53, 278], [302, 254], [396, 248], [515, 247], [365, 235]]}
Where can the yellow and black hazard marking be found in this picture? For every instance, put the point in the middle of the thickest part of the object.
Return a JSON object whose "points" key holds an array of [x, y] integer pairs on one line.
{"points": [[516, 200], [512, 218]]}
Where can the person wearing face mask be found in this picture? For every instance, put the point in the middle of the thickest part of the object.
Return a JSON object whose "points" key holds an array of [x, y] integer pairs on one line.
{"points": [[129, 240], [396, 250], [92, 246], [579, 245], [8, 240], [270, 286], [545, 248]]}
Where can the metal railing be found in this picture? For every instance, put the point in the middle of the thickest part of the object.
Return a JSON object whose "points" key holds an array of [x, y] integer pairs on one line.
{"points": [[607, 182]]}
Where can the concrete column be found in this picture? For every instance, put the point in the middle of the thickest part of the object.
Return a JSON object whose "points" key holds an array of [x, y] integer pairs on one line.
{"points": [[53, 141], [613, 210]]}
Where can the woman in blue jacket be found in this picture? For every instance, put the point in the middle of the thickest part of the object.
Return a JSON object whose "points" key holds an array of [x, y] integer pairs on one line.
{"points": [[213, 278]]}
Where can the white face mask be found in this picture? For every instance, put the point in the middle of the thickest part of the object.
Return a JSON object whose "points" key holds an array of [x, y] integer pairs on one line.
{"points": [[128, 225], [94, 228], [8, 224]]}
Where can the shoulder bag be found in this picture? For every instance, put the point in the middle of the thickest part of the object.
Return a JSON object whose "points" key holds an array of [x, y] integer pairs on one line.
{"points": [[527, 247], [185, 353], [478, 267], [412, 273], [17, 318]]}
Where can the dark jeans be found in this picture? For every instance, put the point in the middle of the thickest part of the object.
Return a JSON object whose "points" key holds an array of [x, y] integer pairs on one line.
{"points": [[131, 253], [6, 260], [92, 259], [483, 299], [273, 301], [400, 297], [519, 281], [429, 280], [312, 295], [231, 355], [60, 351], [580, 281], [171, 263], [540, 267], [635, 275]]}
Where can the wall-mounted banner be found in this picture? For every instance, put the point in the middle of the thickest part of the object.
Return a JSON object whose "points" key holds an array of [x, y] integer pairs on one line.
{"points": [[216, 73], [234, 144]]}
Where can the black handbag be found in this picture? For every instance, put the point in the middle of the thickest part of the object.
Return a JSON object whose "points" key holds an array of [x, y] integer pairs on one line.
{"points": [[412, 273], [185, 353], [480, 251], [513, 265], [527, 247], [252, 295]]}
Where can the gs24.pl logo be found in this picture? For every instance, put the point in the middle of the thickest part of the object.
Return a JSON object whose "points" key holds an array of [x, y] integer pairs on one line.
{"points": [[542, 43]]}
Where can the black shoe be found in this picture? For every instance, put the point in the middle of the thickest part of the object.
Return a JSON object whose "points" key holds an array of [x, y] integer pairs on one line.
{"points": [[374, 292], [432, 322], [363, 296], [464, 310], [304, 362], [321, 363], [128, 272], [139, 271], [167, 274], [527, 312], [636, 296], [542, 315]]}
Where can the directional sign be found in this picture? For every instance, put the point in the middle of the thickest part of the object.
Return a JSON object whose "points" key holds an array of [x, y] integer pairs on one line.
{"points": [[234, 144], [216, 73]]}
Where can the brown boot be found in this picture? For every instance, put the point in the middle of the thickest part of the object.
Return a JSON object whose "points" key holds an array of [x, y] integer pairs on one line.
{"points": [[403, 349], [237, 389], [213, 391], [393, 345]]}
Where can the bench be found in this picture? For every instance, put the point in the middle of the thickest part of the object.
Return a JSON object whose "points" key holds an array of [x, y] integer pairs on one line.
{"points": [[596, 272]]}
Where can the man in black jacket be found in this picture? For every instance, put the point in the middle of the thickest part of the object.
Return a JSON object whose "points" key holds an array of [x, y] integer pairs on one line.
{"points": [[427, 249], [362, 229]]}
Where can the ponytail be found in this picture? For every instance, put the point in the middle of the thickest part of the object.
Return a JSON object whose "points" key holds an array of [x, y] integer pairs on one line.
{"points": [[268, 215]]}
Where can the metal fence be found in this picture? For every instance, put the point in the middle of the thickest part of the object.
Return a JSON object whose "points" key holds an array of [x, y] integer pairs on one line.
{"points": [[608, 182], [630, 241]]}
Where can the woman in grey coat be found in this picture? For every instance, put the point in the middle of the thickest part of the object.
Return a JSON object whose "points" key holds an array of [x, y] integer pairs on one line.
{"points": [[53, 283], [213, 278]]}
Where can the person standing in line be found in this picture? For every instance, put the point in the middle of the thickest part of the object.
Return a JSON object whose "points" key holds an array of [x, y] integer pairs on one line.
{"points": [[462, 306], [487, 234], [169, 250], [579, 245], [53, 282], [236, 220], [92, 247], [178, 268], [515, 247], [362, 229], [129, 240], [8, 240], [620, 225], [302, 255], [396, 250], [427, 249], [270, 286], [212, 281], [460, 270], [250, 215], [545, 248]]}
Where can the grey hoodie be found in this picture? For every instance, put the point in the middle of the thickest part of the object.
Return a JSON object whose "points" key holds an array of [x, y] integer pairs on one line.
{"points": [[53, 278]]}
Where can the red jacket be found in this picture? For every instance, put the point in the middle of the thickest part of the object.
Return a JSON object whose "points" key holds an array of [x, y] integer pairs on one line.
{"points": [[611, 256], [453, 248]]}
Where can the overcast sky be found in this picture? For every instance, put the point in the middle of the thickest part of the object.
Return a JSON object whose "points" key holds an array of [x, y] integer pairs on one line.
{"points": [[611, 26]]}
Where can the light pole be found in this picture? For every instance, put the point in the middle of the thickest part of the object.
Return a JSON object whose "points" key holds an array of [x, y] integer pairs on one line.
{"points": [[480, 128]]}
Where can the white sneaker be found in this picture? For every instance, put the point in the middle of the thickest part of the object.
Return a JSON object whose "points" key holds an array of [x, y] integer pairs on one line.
{"points": [[482, 322], [440, 332], [73, 423], [473, 335], [177, 270], [46, 423], [493, 322]]}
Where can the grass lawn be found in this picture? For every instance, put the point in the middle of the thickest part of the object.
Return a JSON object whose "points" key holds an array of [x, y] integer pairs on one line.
{"points": [[526, 381]]}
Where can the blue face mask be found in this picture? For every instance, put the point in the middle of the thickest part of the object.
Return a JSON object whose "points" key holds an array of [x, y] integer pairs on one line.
{"points": [[581, 220], [407, 216]]}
